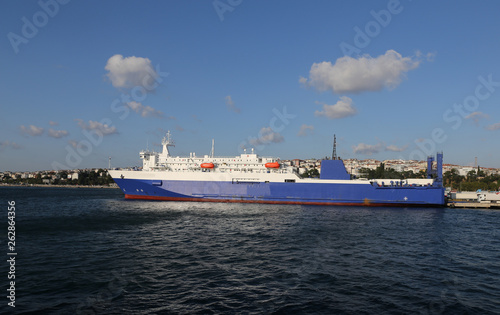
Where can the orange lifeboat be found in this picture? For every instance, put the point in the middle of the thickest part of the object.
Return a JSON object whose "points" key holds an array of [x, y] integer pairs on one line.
{"points": [[207, 165], [273, 165]]}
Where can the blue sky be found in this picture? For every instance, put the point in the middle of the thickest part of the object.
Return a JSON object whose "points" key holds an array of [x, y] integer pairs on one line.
{"points": [[81, 81]]}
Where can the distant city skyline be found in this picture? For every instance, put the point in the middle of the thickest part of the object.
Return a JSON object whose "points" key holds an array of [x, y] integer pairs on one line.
{"points": [[353, 166], [85, 81]]}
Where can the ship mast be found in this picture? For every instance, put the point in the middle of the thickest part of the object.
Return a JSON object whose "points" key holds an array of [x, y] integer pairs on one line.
{"points": [[167, 142], [212, 152], [334, 153]]}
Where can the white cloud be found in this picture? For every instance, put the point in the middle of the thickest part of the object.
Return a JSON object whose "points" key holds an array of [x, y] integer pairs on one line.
{"points": [[266, 136], [53, 123], [351, 75], [343, 108], [31, 130], [395, 148], [494, 126], [145, 111], [305, 130], [104, 129], [430, 57], [477, 116], [57, 133], [130, 71], [230, 105], [9, 144], [73, 143], [369, 149]]}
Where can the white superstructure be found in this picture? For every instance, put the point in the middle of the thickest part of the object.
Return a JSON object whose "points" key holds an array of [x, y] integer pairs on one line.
{"points": [[244, 164]]}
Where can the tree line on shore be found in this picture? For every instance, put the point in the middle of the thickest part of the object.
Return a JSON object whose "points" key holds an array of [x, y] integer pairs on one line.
{"points": [[474, 180], [85, 178]]}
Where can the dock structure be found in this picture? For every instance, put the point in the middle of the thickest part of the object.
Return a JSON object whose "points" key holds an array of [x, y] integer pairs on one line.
{"points": [[474, 205]]}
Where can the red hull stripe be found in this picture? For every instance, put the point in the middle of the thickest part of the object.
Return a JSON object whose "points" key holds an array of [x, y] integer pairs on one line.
{"points": [[369, 204]]}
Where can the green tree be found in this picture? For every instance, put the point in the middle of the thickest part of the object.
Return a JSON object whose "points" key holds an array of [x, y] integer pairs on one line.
{"points": [[311, 173], [471, 175]]}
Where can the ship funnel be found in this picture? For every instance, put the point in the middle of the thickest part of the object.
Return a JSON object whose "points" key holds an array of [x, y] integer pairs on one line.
{"points": [[437, 173]]}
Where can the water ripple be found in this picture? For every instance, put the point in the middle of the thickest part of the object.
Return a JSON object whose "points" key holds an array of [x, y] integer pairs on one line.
{"points": [[89, 251]]}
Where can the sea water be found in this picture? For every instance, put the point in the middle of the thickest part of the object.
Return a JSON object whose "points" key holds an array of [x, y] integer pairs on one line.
{"points": [[90, 251]]}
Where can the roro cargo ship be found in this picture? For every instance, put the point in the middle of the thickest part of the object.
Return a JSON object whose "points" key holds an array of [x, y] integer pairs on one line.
{"points": [[250, 178]]}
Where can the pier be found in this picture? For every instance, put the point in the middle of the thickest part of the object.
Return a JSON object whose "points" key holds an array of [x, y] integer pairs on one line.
{"points": [[474, 205]]}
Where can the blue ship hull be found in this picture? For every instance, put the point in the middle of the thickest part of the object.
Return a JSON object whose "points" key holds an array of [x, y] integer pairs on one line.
{"points": [[283, 193]]}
